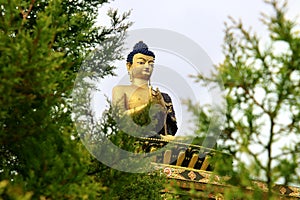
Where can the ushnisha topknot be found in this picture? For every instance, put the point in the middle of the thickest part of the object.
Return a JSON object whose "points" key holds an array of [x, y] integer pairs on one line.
{"points": [[139, 47]]}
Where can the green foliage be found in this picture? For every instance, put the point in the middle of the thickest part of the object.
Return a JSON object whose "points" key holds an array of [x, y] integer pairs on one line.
{"points": [[261, 79], [119, 184], [122, 185], [42, 45]]}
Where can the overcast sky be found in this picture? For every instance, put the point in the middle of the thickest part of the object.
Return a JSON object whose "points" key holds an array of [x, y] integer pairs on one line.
{"points": [[202, 21]]}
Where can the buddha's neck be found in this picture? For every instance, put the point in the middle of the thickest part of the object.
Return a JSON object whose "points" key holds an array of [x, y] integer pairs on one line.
{"points": [[140, 82]]}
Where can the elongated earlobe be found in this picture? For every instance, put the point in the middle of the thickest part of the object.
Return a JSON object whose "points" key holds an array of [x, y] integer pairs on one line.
{"points": [[130, 76], [128, 65]]}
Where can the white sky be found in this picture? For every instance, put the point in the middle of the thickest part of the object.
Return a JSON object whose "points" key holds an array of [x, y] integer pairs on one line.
{"points": [[202, 21]]}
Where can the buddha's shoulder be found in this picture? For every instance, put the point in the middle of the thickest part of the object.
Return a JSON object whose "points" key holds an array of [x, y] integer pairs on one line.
{"points": [[121, 87]]}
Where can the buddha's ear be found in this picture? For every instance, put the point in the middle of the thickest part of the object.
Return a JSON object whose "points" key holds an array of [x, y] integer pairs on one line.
{"points": [[128, 65]]}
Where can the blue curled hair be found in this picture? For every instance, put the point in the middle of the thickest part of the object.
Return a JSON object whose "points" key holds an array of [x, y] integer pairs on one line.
{"points": [[139, 47]]}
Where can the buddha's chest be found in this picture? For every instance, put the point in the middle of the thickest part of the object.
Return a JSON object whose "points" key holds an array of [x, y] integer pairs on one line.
{"points": [[138, 97]]}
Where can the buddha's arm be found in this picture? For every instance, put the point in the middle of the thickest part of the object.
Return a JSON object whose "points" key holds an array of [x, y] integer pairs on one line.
{"points": [[136, 109]]}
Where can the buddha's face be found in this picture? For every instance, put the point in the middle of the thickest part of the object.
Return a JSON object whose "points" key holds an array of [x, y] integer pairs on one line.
{"points": [[141, 67]]}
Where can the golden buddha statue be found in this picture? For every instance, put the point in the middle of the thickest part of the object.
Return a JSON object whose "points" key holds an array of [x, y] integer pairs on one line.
{"points": [[136, 99]]}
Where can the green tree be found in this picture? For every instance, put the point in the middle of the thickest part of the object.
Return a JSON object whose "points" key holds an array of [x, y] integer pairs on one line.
{"points": [[42, 45], [261, 77]]}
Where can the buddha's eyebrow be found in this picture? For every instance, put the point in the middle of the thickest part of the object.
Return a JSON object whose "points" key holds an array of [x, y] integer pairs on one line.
{"points": [[145, 59], [142, 59]]}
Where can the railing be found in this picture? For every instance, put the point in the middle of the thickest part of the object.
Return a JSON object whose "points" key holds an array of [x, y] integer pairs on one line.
{"points": [[192, 165]]}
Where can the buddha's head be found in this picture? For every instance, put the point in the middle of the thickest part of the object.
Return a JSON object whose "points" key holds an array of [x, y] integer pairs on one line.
{"points": [[140, 62]]}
